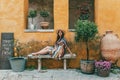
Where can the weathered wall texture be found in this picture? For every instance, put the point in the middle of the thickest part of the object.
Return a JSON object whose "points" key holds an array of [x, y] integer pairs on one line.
{"points": [[13, 15], [107, 15]]}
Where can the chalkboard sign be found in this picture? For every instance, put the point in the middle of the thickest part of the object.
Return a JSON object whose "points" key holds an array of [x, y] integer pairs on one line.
{"points": [[7, 49]]}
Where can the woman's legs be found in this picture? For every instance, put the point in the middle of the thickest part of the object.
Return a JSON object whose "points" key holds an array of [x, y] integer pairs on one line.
{"points": [[43, 51]]}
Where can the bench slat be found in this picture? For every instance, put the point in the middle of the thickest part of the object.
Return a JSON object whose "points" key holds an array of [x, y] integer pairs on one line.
{"points": [[66, 56]]}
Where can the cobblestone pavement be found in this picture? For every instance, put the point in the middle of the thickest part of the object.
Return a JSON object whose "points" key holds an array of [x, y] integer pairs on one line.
{"points": [[53, 74]]}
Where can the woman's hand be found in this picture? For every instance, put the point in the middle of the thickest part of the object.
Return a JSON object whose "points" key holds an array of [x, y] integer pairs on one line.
{"points": [[53, 50]]}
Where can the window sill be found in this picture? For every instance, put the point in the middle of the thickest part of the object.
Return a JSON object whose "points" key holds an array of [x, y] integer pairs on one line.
{"points": [[39, 30], [72, 30]]}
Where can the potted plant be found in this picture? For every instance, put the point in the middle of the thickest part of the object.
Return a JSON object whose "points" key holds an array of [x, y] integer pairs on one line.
{"points": [[86, 31], [18, 62], [44, 24], [103, 68], [84, 12], [32, 14]]}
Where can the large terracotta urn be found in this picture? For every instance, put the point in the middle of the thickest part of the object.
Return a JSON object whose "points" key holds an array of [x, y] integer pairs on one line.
{"points": [[110, 46]]}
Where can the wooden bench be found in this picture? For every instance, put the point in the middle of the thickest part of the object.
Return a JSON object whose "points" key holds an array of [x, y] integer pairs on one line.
{"points": [[64, 58]]}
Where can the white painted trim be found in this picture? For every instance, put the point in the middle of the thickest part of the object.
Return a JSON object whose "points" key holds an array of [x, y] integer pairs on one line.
{"points": [[39, 30], [72, 30]]}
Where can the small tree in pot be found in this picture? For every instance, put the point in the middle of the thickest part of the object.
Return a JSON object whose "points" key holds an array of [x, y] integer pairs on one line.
{"points": [[44, 24], [32, 14], [86, 31], [18, 61]]}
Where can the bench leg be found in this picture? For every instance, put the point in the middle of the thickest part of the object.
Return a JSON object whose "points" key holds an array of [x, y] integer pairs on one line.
{"points": [[39, 64], [65, 64]]}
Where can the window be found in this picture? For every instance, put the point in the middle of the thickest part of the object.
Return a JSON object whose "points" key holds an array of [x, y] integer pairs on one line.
{"points": [[80, 9], [40, 15]]}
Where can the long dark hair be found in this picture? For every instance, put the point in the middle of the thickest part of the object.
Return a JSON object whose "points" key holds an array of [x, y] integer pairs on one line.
{"points": [[62, 36]]}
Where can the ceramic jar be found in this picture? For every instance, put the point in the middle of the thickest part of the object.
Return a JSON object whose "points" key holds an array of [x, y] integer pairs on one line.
{"points": [[110, 46], [30, 24]]}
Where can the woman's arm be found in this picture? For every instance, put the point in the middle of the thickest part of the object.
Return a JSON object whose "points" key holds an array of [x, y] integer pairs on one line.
{"points": [[66, 46], [69, 49]]}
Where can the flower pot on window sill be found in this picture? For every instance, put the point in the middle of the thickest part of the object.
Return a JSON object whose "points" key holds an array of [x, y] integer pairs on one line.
{"points": [[44, 25], [31, 26]]}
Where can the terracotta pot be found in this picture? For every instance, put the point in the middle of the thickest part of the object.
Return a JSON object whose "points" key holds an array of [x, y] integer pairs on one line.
{"points": [[110, 46], [44, 25]]}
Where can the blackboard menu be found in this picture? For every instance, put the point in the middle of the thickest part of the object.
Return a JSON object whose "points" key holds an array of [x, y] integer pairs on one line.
{"points": [[7, 49]]}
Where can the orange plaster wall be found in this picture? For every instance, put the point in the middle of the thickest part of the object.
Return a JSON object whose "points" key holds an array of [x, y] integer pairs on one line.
{"points": [[13, 18], [14, 15], [107, 15]]}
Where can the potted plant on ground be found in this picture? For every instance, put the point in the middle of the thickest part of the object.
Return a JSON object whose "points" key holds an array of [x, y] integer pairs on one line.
{"points": [[103, 68], [44, 24], [32, 14], [18, 62], [86, 31]]}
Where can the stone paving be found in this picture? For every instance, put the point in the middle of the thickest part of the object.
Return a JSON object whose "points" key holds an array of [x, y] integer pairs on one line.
{"points": [[53, 74]]}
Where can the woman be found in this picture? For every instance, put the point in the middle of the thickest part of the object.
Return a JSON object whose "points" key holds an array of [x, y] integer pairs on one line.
{"points": [[50, 50]]}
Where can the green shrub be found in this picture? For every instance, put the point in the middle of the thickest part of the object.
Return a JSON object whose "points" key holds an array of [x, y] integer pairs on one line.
{"points": [[85, 31]]}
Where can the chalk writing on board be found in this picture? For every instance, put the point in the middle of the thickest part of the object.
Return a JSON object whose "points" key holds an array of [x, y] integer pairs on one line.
{"points": [[7, 42], [6, 47]]}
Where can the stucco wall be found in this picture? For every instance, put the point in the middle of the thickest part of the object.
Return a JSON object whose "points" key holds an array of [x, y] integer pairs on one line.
{"points": [[13, 15], [13, 18], [107, 15]]}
